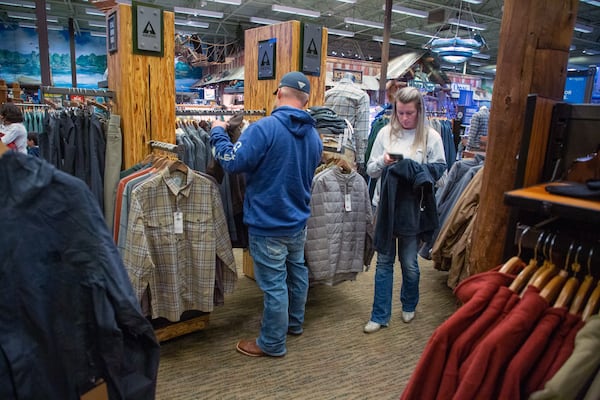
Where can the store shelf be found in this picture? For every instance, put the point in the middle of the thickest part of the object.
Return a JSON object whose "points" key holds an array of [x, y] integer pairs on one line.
{"points": [[537, 199]]}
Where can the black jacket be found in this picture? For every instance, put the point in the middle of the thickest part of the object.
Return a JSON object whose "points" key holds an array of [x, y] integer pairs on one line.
{"points": [[68, 314], [407, 203]]}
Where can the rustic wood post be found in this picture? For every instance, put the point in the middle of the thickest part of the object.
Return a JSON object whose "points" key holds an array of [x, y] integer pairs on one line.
{"points": [[532, 58]]}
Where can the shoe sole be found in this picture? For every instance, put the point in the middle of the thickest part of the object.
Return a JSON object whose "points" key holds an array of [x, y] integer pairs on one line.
{"points": [[246, 353]]}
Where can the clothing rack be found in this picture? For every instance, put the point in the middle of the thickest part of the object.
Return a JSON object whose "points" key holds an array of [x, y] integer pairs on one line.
{"points": [[76, 91], [30, 105], [167, 147], [180, 112], [558, 243]]}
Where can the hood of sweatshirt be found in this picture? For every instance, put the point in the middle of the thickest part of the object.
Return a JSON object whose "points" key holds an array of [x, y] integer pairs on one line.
{"points": [[299, 122]]}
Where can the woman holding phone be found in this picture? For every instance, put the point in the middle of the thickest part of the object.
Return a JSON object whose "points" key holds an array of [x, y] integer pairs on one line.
{"points": [[405, 150]]}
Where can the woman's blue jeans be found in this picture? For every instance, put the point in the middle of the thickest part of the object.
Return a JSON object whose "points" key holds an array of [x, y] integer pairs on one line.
{"points": [[384, 279], [282, 275]]}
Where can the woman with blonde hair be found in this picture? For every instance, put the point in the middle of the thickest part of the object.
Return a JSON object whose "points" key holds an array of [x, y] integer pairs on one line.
{"points": [[407, 157]]}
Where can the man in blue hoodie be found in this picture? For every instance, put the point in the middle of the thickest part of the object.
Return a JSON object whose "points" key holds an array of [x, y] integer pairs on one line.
{"points": [[279, 154]]}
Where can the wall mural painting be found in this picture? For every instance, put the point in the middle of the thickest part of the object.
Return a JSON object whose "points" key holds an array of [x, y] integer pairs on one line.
{"points": [[20, 59]]}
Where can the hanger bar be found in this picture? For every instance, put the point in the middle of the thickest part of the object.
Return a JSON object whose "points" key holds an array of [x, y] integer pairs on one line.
{"points": [[30, 105], [219, 112], [77, 91]]}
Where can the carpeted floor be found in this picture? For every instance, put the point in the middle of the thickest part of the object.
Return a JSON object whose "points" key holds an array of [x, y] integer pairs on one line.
{"points": [[333, 359]]}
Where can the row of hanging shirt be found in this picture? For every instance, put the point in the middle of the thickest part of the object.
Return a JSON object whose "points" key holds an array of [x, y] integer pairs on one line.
{"points": [[517, 328], [171, 230], [73, 139]]}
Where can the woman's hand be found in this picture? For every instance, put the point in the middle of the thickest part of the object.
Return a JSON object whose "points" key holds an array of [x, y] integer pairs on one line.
{"points": [[387, 159]]}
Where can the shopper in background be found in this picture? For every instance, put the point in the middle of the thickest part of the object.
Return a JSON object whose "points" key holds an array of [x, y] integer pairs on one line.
{"points": [[352, 103], [279, 155], [12, 130], [478, 128], [408, 157], [32, 144]]}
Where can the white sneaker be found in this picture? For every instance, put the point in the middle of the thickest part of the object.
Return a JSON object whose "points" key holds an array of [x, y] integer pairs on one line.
{"points": [[407, 316], [372, 327]]}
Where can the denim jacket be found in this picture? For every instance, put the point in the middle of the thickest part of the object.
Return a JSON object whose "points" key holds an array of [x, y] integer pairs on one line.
{"points": [[68, 314]]}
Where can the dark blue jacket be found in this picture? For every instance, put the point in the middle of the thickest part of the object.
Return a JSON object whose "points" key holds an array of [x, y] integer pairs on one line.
{"points": [[407, 203], [68, 314]]}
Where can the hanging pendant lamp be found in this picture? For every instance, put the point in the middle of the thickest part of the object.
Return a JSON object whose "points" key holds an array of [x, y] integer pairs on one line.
{"points": [[456, 49]]}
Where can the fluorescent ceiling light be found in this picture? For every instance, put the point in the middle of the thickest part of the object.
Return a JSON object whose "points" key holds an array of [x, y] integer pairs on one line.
{"points": [[591, 52], [591, 2], [264, 21], [583, 28], [467, 24], [198, 13], [477, 71], [233, 2], [473, 1], [339, 32], [296, 11], [475, 63], [54, 28], [362, 22], [98, 34], [29, 17], [94, 11], [348, 1], [392, 40], [195, 24], [409, 11], [27, 25], [97, 24], [572, 47], [417, 32], [481, 56], [24, 4]]}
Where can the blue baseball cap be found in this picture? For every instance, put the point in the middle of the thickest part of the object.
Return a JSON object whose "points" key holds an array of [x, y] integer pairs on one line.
{"points": [[296, 80]]}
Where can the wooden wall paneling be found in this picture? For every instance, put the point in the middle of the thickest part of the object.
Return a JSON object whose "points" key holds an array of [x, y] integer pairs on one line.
{"points": [[534, 48], [145, 88], [258, 94]]}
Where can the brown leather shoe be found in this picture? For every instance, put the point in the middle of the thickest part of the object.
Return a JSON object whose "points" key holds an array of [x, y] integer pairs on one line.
{"points": [[249, 348]]}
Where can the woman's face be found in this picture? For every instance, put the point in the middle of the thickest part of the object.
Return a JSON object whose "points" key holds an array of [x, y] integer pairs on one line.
{"points": [[407, 115]]}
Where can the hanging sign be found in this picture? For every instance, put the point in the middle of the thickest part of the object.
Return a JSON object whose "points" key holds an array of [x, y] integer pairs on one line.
{"points": [[266, 58], [147, 29], [111, 32], [312, 37]]}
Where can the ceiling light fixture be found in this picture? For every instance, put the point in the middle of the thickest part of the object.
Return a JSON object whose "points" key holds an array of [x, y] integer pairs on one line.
{"points": [[27, 25], [232, 2], [29, 17], [339, 32], [195, 24], [579, 27], [591, 2], [481, 56], [473, 1], [348, 1], [98, 34], [264, 21], [591, 52], [24, 4], [417, 32], [453, 48], [397, 42], [295, 11], [198, 13], [409, 11], [93, 11], [467, 24], [97, 24], [362, 22]]}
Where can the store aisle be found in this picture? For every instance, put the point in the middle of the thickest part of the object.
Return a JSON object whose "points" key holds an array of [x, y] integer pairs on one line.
{"points": [[333, 359]]}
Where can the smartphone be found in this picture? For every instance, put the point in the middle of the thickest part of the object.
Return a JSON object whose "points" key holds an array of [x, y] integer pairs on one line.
{"points": [[396, 156]]}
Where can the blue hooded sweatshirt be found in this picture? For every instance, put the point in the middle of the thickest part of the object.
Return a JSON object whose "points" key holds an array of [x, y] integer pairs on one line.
{"points": [[279, 155]]}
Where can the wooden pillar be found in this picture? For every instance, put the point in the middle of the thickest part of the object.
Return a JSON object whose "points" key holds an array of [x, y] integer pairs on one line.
{"points": [[258, 94], [16, 92], [144, 87], [534, 48], [3, 91]]}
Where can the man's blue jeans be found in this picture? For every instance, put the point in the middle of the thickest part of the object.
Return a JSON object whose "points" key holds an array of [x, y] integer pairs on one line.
{"points": [[384, 280], [282, 275]]}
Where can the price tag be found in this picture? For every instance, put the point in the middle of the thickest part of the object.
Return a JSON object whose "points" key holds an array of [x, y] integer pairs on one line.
{"points": [[178, 221], [348, 202]]}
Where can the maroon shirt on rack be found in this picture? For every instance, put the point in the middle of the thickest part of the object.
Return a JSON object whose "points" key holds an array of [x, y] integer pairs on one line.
{"points": [[477, 291], [503, 301], [541, 374], [530, 353], [483, 377]]}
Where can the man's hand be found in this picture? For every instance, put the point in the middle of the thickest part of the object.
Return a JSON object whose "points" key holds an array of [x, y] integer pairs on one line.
{"points": [[220, 123]]}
